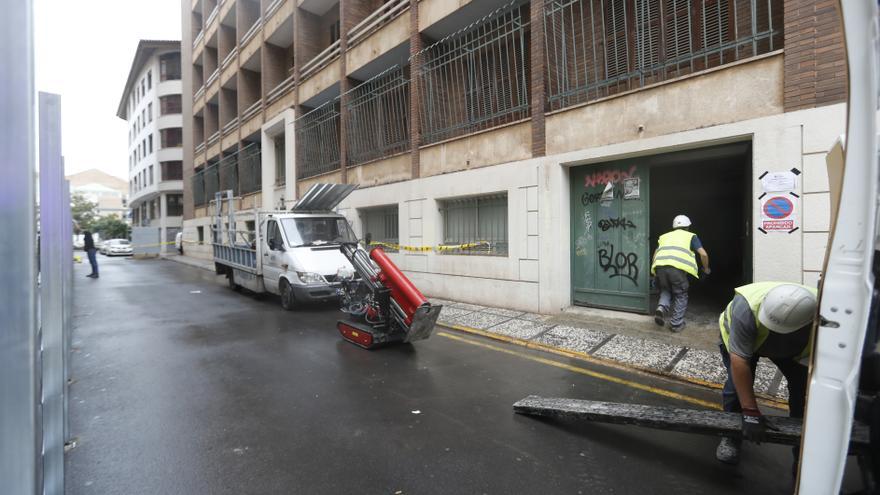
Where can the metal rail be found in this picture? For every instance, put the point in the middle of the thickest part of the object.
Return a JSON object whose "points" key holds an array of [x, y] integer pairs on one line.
{"points": [[378, 116], [386, 13], [318, 134], [320, 60], [597, 48], [478, 77]]}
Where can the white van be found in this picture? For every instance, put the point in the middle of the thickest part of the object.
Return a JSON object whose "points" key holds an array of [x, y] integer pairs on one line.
{"points": [[294, 254]]}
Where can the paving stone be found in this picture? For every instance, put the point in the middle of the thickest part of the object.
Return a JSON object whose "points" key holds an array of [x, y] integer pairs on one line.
{"points": [[702, 365], [572, 338], [471, 307], [782, 391], [521, 329], [449, 313], [639, 352], [764, 375], [478, 320], [510, 313], [442, 302], [533, 317]]}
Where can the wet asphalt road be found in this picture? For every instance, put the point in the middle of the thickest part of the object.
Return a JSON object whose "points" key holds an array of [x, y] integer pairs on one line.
{"points": [[183, 386]]}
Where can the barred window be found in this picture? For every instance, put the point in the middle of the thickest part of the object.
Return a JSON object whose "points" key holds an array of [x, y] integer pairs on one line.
{"points": [[381, 222], [481, 219], [174, 205]]}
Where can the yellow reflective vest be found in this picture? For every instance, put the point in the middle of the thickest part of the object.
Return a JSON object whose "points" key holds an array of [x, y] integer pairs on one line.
{"points": [[674, 249], [754, 295]]}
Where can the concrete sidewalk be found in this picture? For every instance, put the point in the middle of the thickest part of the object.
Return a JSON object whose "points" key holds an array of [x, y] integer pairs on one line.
{"points": [[612, 338]]}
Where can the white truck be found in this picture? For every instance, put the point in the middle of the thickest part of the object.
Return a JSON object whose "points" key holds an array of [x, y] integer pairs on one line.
{"points": [[294, 254]]}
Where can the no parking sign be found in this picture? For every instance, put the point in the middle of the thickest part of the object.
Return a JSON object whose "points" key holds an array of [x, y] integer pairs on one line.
{"points": [[778, 213]]}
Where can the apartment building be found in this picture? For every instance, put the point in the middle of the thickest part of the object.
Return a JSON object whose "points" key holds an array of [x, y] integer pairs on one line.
{"points": [[562, 136], [151, 104], [107, 191]]}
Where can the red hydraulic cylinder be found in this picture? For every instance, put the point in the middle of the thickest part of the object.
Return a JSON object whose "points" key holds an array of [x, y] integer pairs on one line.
{"points": [[402, 290]]}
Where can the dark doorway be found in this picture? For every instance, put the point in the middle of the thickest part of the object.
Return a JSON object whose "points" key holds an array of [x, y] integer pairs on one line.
{"points": [[712, 187]]}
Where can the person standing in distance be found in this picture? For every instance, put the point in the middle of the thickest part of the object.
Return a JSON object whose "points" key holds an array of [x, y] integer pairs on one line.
{"points": [[675, 259], [89, 247]]}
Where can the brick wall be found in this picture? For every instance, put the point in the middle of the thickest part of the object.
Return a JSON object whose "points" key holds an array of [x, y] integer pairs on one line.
{"points": [[815, 59]]}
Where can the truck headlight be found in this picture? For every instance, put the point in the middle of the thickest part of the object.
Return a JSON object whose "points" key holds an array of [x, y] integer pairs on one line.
{"points": [[310, 278]]}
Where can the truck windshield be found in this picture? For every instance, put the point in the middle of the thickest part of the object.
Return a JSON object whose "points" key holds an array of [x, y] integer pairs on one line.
{"points": [[317, 231]]}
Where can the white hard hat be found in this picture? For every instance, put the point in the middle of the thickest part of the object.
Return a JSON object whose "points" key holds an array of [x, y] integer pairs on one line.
{"points": [[681, 221], [787, 308]]}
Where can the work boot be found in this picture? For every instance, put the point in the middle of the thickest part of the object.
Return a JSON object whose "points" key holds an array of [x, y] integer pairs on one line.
{"points": [[728, 451], [677, 328], [92, 275], [660, 316]]}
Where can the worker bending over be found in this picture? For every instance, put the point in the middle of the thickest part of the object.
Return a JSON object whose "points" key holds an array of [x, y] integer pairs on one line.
{"points": [[764, 319], [673, 261]]}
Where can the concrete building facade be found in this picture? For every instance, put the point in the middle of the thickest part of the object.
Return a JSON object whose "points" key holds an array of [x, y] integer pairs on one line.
{"points": [[109, 192], [151, 104], [560, 137]]}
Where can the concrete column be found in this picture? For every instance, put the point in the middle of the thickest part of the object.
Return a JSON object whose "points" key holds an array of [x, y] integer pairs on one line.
{"points": [[163, 221], [290, 193], [267, 158], [415, 124], [538, 91], [344, 87]]}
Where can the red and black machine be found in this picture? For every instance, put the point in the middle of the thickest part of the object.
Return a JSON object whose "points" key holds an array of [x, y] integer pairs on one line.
{"points": [[384, 306]]}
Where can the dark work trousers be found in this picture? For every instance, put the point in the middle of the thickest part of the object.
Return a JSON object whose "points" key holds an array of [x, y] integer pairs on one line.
{"points": [[795, 374], [673, 285], [93, 260]]}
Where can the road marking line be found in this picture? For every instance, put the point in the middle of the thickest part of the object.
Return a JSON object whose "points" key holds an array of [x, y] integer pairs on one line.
{"points": [[590, 373]]}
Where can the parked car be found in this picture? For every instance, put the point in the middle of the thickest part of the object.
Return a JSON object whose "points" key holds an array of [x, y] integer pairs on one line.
{"points": [[116, 247]]}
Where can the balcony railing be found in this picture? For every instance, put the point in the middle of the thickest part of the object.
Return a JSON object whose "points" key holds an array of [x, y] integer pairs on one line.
{"points": [[250, 169], [213, 77], [317, 138], [320, 60], [381, 16], [213, 138], [229, 57], [272, 7], [251, 32], [478, 77], [198, 188], [199, 37], [251, 110], [198, 94], [378, 117], [212, 16], [592, 54], [229, 126], [280, 90], [200, 148]]}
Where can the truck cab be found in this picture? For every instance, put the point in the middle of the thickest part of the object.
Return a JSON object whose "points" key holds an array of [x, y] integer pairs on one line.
{"points": [[301, 255]]}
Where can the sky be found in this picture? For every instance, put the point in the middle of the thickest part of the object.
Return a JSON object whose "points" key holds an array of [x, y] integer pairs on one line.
{"points": [[83, 51]]}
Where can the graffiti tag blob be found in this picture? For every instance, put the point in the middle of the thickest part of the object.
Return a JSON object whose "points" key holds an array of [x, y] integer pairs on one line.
{"points": [[603, 177], [616, 223], [619, 264]]}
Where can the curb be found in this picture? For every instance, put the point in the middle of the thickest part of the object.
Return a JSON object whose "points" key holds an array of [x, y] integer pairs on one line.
{"points": [[762, 398]]}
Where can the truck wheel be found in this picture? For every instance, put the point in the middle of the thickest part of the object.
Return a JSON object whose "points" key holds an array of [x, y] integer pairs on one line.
{"points": [[287, 300]]}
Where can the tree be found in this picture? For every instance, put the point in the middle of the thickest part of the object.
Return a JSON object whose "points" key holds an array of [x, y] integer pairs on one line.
{"points": [[84, 212], [111, 227]]}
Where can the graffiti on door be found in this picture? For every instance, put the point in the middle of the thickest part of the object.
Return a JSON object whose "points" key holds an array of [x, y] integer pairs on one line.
{"points": [[612, 176], [619, 263]]}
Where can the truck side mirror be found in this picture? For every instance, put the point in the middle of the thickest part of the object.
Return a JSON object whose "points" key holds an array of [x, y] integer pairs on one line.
{"points": [[368, 238]]}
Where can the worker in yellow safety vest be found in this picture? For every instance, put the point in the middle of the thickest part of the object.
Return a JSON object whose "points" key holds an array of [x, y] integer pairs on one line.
{"points": [[675, 259], [771, 320]]}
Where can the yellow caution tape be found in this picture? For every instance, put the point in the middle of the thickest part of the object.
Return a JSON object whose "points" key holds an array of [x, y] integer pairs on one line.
{"points": [[441, 247]]}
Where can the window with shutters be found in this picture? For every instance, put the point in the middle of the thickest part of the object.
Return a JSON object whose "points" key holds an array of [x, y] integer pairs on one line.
{"points": [[381, 222]]}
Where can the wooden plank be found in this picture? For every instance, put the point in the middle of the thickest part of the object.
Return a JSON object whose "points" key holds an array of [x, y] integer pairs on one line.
{"points": [[702, 422]]}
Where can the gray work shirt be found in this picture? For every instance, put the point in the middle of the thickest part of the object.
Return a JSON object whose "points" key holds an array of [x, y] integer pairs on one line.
{"points": [[744, 334]]}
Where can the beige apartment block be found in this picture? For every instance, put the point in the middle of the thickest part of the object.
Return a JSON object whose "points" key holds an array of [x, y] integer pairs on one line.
{"points": [[560, 136]]}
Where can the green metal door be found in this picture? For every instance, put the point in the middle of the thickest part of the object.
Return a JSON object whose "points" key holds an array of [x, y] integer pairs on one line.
{"points": [[609, 231]]}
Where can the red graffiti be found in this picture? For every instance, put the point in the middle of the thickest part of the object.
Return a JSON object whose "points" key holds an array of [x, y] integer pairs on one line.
{"points": [[606, 176]]}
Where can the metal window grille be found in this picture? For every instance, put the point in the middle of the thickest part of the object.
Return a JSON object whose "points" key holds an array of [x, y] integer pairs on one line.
{"points": [[596, 48], [212, 181], [250, 168], [477, 78], [382, 223], [476, 219], [228, 169], [198, 188], [378, 116], [317, 138], [280, 162]]}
